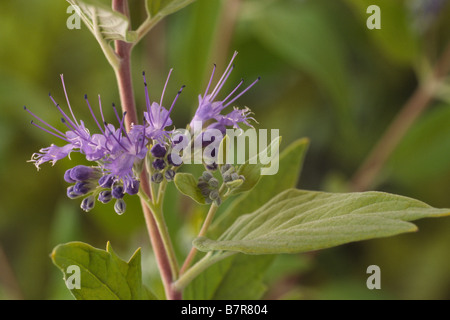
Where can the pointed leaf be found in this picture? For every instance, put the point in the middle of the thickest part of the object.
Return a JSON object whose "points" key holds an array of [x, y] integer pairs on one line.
{"points": [[300, 221], [187, 185], [103, 275]]}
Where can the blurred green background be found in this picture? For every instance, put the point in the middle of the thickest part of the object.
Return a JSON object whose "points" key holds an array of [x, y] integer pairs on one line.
{"points": [[325, 76]]}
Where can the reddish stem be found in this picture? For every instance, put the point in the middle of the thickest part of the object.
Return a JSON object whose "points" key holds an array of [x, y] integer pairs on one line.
{"points": [[123, 75]]}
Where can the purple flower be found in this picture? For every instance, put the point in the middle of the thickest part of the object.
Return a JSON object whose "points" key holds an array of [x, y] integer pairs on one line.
{"points": [[116, 151], [157, 117], [210, 109]]}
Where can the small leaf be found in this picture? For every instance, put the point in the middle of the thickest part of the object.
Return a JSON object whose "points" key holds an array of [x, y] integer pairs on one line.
{"points": [[103, 21], [103, 275], [187, 185], [299, 221]]}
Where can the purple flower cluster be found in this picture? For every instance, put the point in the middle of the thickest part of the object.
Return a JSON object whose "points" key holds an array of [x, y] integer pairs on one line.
{"points": [[119, 154], [209, 108]]}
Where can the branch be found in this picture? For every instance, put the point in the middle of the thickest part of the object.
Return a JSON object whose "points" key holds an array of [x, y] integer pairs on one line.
{"points": [[417, 103]]}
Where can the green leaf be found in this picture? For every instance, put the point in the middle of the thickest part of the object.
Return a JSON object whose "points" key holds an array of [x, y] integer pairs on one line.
{"points": [[103, 21], [103, 275], [236, 278], [243, 271], [300, 221], [187, 185], [163, 8]]}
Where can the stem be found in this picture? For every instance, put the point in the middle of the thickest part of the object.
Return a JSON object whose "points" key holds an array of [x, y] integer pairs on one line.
{"points": [[203, 230], [209, 259], [417, 103], [164, 232], [123, 75]]}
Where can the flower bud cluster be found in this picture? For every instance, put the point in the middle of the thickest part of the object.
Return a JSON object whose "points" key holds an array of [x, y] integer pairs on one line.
{"points": [[90, 183], [209, 187], [162, 164]]}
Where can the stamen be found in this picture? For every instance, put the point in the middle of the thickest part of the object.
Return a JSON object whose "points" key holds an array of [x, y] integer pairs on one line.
{"points": [[92, 113], [226, 71], [48, 131], [165, 86], [101, 110], [232, 92], [147, 100], [244, 91], [67, 99], [51, 127], [75, 127], [210, 81], [173, 103], [217, 89]]}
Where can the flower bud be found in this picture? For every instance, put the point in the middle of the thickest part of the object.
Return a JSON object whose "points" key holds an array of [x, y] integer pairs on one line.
{"points": [[105, 196], [82, 173], [225, 168], [83, 187], [213, 183], [169, 175], [204, 188], [159, 164], [158, 151], [117, 192], [133, 188], [207, 175], [157, 177], [67, 177], [120, 206], [88, 203], [227, 177], [214, 194], [72, 194], [106, 181]]}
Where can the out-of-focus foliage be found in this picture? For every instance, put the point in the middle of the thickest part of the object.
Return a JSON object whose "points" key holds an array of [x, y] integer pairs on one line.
{"points": [[325, 76]]}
